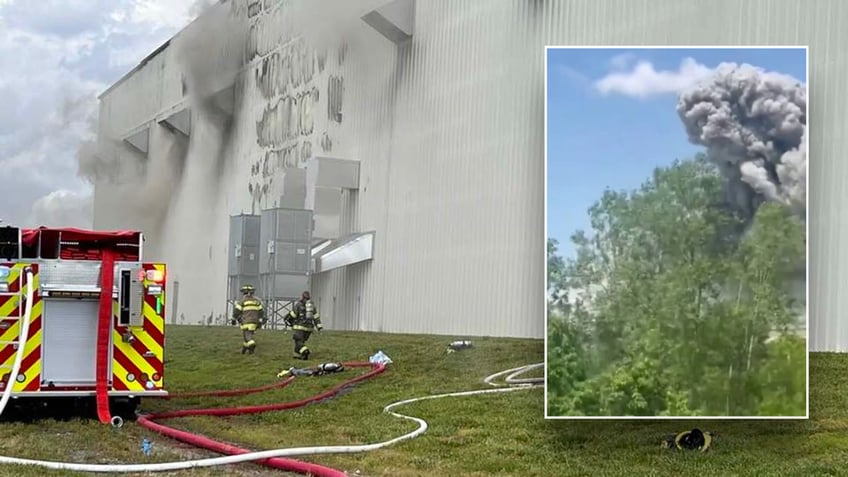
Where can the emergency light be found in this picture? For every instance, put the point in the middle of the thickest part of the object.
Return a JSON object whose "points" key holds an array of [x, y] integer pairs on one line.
{"points": [[152, 276], [155, 275]]}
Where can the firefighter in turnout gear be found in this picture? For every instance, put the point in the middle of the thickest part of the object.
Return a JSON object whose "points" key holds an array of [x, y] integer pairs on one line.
{"points": [[303, 319], [250, 315]]}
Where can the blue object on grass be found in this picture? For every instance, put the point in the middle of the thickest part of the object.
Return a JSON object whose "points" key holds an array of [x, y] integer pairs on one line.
{"points": [[146, 446]]}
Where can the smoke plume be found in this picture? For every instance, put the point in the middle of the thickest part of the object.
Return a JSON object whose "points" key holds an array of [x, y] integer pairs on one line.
{"points": [[134, 192], [210, 54], [62, 208], [754, 126]]}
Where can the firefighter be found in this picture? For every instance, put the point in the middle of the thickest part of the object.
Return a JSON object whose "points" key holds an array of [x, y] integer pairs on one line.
{"points": [[303, 319], [250, 315]]}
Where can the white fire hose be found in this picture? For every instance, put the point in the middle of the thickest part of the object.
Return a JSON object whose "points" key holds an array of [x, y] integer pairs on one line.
{"points": [[511, 384], [23, 335]]}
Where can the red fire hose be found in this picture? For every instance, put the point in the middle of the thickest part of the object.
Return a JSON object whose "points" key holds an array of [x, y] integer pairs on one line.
{"points": [[104, 330], [291, 465]]}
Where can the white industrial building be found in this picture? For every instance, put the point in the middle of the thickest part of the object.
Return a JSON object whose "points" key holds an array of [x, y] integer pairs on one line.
{"points": [[417, 127]]}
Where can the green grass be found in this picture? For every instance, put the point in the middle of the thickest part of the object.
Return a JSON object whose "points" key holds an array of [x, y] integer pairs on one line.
{"points": [[470, 436]]}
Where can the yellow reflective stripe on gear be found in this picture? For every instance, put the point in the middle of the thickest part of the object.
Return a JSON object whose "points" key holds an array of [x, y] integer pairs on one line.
{"points": [[301, 328], [252, 308], [237, 306]]}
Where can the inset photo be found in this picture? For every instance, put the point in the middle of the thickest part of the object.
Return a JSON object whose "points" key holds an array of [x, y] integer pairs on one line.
{"points": [[676, 188]]}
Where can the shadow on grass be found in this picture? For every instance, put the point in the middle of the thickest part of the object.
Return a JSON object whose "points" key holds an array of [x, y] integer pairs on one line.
{"points": [[804, 445], [30, 410]]}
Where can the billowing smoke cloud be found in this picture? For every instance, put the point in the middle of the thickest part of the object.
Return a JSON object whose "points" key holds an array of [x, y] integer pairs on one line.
{"points": [[63, 208], [324, 24], [135, 192], [140, 192], [210, 54], [753, 124], [199, 7]]}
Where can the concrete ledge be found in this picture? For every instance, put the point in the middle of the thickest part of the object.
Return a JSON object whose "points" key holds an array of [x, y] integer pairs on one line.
{"points": [[346, 251], [139, 139], [395, 20], [179, 121]]}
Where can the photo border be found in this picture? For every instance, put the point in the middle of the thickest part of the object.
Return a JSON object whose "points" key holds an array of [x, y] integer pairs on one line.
{"points": [[806, 49]]}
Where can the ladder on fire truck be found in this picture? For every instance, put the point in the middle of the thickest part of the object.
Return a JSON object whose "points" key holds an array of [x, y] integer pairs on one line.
{"points": [[19, 343]]}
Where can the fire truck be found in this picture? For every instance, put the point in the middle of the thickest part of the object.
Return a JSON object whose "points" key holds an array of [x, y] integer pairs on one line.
{"points": [[96, 319]]}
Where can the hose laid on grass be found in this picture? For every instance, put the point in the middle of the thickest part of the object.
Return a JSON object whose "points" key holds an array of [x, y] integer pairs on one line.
{"points": [[512, 383], [223, 448], [23, 336], [240, 455], [229, 392], [263, 456]]}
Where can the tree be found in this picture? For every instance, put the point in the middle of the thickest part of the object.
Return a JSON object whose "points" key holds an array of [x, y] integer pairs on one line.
{"points": [[678, 299]]}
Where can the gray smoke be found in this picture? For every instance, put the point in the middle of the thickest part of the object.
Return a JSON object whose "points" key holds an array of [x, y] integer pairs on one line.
{"points": [[210, 54], [754, 125], [134, 193], [199, 7]]}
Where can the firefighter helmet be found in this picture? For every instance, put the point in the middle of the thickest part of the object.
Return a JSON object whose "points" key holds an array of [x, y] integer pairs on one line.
{"points": [[247, 289], [306, 295]]}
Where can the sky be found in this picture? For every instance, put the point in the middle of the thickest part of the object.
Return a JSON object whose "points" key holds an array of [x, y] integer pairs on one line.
{"points": [[56, 56], [611, 119]]}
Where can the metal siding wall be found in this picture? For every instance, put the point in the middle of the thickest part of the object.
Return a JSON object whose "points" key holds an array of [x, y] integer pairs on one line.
{"points": [[819, 25], [368, 74], [465, 190], [369, 98], [449, 129], [475, 259], [143, 95]]}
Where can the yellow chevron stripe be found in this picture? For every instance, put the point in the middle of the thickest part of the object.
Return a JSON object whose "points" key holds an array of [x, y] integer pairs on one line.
{"points": [[151, 315], [161, 267], [9, 306], [133, 355], [11, 333], [34, 371], [157, 322], [120, 374], [31, 344], [150, 344], [37, 308], [15, 273], [33, 341]]}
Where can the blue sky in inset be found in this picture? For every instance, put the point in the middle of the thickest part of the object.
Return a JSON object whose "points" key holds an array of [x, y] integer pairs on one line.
{"points": [[610, 122]]}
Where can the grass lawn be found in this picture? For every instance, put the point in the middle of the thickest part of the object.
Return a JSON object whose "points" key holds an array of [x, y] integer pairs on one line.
{"points": [[500, 434]]}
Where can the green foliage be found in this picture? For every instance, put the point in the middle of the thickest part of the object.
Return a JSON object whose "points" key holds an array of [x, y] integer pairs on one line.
{"points": [[671, 302], [475, 436]]}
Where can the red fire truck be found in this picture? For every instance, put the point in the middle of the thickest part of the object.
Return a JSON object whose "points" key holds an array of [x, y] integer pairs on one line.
{"points": [[97, 318]]}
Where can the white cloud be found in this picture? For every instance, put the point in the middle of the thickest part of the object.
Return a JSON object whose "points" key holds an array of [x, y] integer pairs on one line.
{"points": [[167, 13], [62, 208], [574, 75], [55, 57], [622, 61], [643, 80]]}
